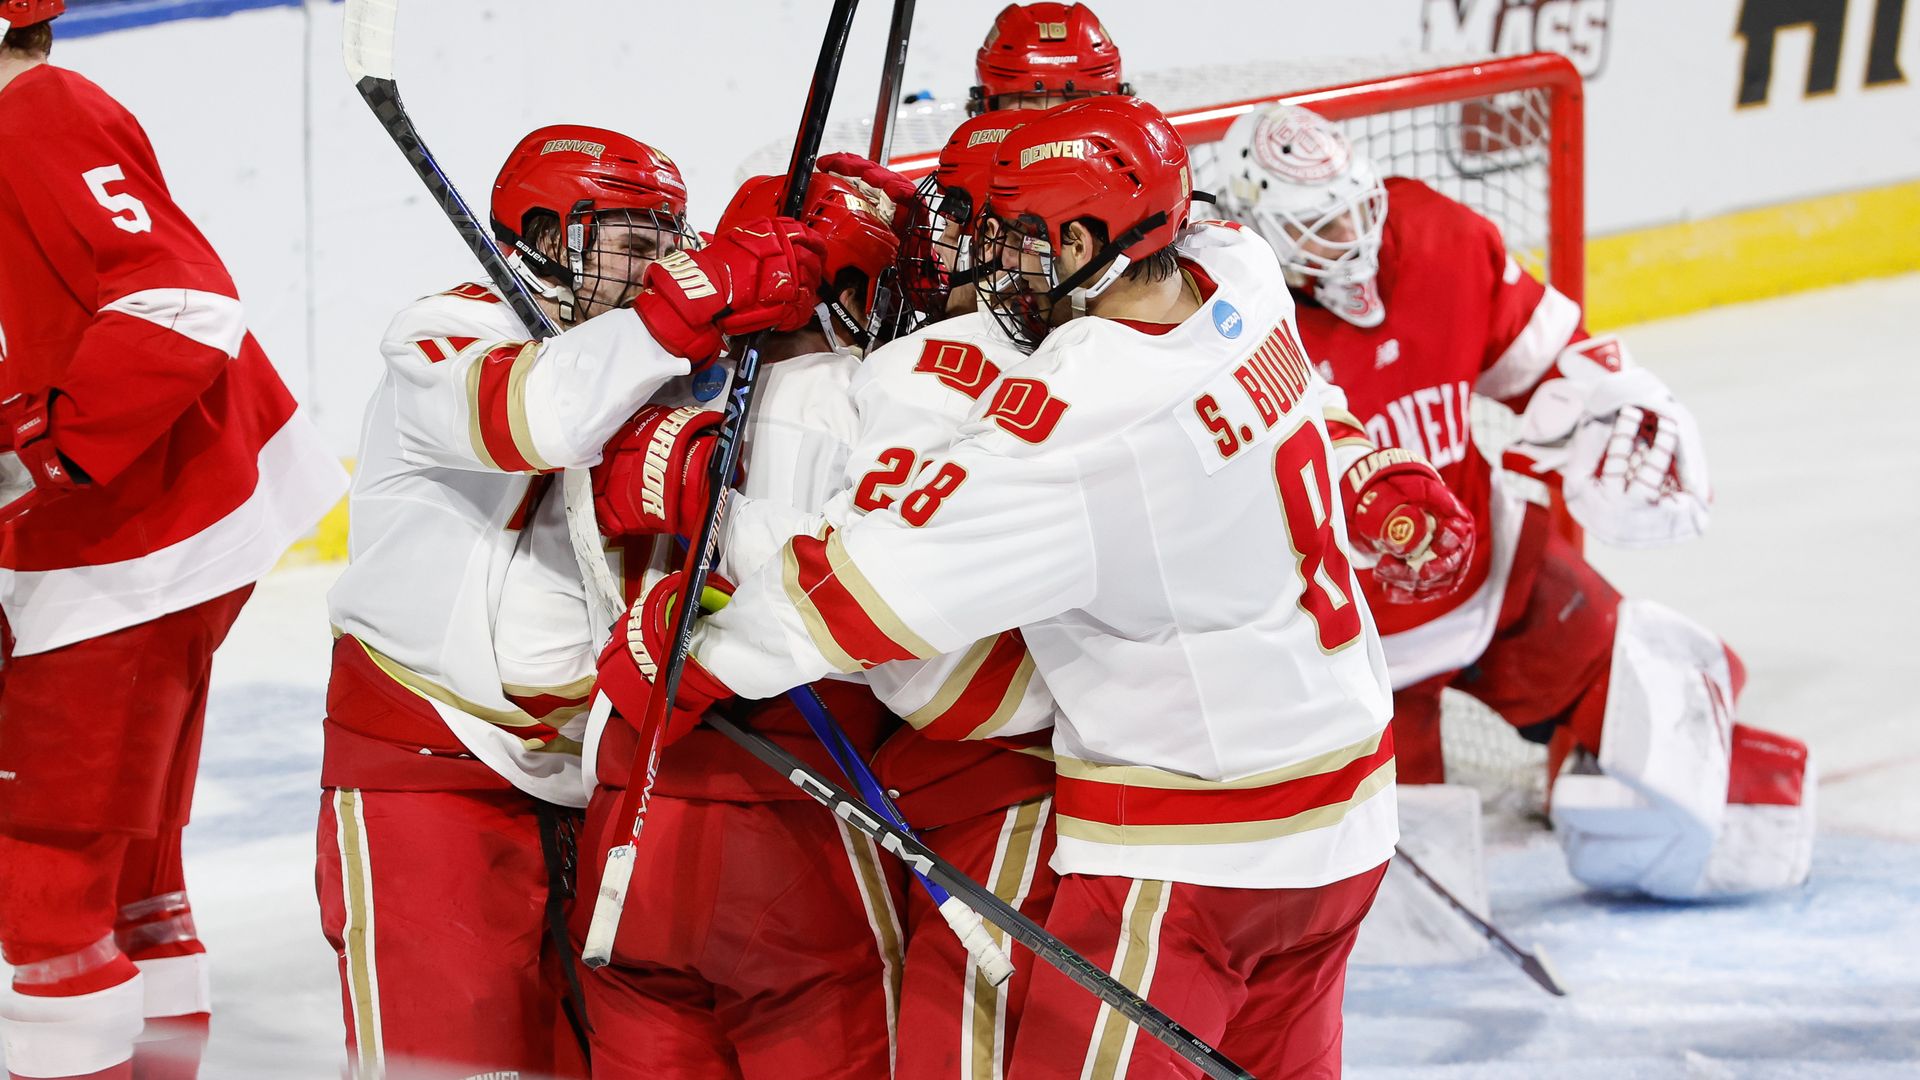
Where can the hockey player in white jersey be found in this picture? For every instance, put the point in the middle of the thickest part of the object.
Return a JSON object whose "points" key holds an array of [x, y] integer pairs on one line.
{"points": [[762, 937], [465, 653], [1150, 499]]}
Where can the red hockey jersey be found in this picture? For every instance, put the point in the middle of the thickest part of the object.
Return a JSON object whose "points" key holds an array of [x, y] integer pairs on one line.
{"points": [[1462, 318], [201, 470]]}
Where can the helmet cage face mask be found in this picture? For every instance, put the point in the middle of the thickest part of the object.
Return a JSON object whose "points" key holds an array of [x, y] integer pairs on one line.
{"points": [[1016, 275], [1310, 240], [604, 253]]}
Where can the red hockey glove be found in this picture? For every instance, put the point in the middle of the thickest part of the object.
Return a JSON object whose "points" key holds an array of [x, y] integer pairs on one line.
{"points": [[764, 275], [652, 478], [898, 189], [911, 218], [1400, 510], [31, 470], [636, 658]]}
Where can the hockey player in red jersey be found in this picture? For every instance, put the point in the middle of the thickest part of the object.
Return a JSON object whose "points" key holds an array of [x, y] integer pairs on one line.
{"points": [[1224, 800], [1412, 304], [153, 466], [1037, 56], [762, 937], [465, 651]]}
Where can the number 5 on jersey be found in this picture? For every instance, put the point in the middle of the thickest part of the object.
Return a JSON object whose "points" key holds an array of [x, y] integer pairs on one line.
{"points": [[135, 219]]}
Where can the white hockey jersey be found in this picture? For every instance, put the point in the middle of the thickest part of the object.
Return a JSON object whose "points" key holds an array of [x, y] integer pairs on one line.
{"points": [[1158, 513], [462, 584]]}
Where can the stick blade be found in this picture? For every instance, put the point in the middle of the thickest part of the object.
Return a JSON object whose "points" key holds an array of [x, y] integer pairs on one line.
{"points": [[1539, 968], [367, 43]]}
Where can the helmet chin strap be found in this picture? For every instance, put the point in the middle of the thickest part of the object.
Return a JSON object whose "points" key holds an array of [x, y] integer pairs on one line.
{"points": [[827, 315], [1108, 262], [560, 295]]}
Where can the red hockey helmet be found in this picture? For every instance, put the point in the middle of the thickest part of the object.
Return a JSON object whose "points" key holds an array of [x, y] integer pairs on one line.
{"points": [[582, 177], [30, 12], [936, 260], [1039, 51], [1112, 160], [856, 226]]}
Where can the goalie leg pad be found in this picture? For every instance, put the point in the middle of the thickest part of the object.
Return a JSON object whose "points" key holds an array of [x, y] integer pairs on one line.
{"points": [[1681, 802]]}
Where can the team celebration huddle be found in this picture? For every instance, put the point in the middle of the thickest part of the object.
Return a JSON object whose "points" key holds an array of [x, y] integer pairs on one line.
{"points": [[969, 621]]}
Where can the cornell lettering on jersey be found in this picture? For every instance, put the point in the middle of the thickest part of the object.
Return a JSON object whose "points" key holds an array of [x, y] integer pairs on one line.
{"points": [[1431, 421]]}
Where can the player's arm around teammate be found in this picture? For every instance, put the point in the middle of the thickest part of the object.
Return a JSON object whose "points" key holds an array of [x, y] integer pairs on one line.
{"points": [[1090, 502], [152, 466], [464, 656]]}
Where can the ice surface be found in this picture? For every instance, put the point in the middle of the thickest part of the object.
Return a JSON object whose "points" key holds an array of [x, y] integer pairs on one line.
{"points": [[1808, 404]]}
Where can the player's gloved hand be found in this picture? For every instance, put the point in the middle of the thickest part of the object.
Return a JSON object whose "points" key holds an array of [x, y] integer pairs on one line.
{"points": [[764, 275], [636, 659], [899, 190], [1401, 512], [922, 277], [31, 470], [653, 476]]}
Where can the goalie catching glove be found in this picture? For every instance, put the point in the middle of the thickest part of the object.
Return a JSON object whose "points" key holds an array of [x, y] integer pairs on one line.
{"points": [[653, 477], [763, 275], [1400, 512], [1632, 465], [634, 662]]}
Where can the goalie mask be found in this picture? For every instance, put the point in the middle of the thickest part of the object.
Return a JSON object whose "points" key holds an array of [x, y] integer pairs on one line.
{"points": [[1113, 164], [1040, 55], [1294, 177], [856, 224], [611, 205]]}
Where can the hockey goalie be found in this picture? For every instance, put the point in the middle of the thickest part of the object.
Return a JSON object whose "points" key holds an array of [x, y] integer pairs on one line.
{"points": [[1412, 304]]}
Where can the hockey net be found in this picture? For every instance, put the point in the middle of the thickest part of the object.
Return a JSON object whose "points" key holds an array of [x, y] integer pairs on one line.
{"points": [[1502, 135]]}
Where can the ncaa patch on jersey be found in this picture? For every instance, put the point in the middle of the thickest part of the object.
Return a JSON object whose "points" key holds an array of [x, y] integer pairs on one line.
{"points": [[1227, 320], [708, 382]]}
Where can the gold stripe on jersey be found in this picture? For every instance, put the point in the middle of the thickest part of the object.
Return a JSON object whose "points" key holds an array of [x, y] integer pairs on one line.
{"points": [[1147, 776], [1134, 960], [845, 578], [962, 678], [427, 688], [578, 688], [517, 423], [1232, 832]]}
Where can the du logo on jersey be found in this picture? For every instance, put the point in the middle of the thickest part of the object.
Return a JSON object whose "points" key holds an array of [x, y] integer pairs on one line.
{"points": [[1227, 320]]}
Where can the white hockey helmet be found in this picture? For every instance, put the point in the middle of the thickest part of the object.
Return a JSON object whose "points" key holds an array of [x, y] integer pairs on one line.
{"points": [[1294, 177]]}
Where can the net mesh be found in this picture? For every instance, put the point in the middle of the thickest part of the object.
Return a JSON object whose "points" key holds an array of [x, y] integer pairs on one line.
{"points": [[1488, 151]]}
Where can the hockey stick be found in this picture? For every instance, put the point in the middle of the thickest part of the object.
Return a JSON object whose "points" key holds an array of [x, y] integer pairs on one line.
{"points": [[368, 48], [848, 808], [1535, 964], [617, 875], [992, 961], [892, 72]]}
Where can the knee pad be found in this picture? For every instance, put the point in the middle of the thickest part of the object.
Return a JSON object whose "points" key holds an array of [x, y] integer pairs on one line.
{"points": [[1682, 802]]}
